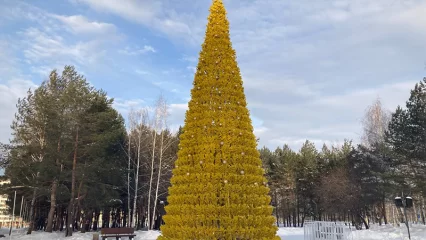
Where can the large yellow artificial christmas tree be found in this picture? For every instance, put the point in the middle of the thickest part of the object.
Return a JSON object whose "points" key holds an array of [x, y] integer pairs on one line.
{"points": [[218, 186]]}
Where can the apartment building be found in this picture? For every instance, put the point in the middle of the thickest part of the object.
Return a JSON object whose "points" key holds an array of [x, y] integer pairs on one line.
{"points": [[5, 217]]}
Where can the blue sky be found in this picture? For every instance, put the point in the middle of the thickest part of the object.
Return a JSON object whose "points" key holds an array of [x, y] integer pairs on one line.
{"points": [[310, 68]]}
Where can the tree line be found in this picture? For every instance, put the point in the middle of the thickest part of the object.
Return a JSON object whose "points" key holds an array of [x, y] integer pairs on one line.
{"points": [[80, 166], [77, 164], [356, 183]]}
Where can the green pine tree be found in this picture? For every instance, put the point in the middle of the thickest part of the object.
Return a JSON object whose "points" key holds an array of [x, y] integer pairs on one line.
{"points": [[406, 136]]}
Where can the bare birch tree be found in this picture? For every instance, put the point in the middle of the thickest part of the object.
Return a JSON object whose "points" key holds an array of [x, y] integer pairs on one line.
{"points": [[375, 124], [150, 139], [129, 208], [162, 112], [156, 125], [137, 123]]}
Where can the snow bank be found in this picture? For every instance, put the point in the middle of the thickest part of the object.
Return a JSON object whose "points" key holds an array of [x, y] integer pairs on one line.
{"points": [[150, 235], [20, 234], [291, 233], [388, 232]]}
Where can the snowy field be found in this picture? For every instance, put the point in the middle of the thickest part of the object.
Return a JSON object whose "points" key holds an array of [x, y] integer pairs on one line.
{"points": [[418, 232]]}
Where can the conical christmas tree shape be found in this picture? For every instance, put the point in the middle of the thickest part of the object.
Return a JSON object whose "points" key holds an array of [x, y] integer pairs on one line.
{"points": [[218, 186]]}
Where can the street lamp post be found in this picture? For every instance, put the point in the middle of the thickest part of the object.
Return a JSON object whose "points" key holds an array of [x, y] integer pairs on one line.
{"points": [[405, 202]]}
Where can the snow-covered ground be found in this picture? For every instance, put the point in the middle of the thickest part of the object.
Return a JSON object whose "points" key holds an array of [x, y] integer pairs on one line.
{"points": [[388, 232], [418, 232], [291, 233], [20, 234]]}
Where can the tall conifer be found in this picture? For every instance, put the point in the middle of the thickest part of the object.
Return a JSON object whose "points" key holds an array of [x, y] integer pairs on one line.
{"points": [[218, 186]]}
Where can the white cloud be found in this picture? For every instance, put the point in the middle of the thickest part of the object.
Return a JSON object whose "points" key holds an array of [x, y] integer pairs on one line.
{"points": [[260, 130], [191, 68], [50, 50], [12, 87], [152, 14], [141, 72], [177, 113], [137, 51], [178, 107], [44, 71], [7, 60], [190, 59], [125, 105], [139, 11], [358, 100], [79, 24], [282, 84], [49, 40], [325, 118], [10, 92], [309, 67]]}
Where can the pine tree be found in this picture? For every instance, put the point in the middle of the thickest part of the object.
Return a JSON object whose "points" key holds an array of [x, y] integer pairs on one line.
{"points": [[407, 138], [218, 188], [43, 159], [306, 174]]}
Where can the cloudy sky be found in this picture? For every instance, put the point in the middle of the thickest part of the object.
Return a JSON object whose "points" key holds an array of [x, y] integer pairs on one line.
{"points": [[310, 68]]}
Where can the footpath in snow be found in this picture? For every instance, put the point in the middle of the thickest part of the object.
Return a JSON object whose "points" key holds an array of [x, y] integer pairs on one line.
{"points": [[418, 232]]}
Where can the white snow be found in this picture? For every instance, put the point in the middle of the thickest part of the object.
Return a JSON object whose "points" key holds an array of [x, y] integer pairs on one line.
{"points": [[388, 232], [20, 234], [291, 233]]}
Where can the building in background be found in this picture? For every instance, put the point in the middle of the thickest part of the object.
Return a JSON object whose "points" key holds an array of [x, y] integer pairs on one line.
{"points": [[5, 217]]}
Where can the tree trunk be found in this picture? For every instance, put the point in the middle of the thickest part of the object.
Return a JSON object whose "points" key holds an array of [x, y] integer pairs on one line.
{"points": [[415, 212], [152, 175], [32, 217], [276, 208], [58, 218], [51, 214], [96, 222], [158, 179], [62, 219], [401, 215], [298, 214], [422, 208], [77, 217], [70, 222], [83, 221], [294, 217], [87, 221], [78, 205], [128, 185], [136, 182], [385, 218], [118, 217], [105, 224], [364, 221]]}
